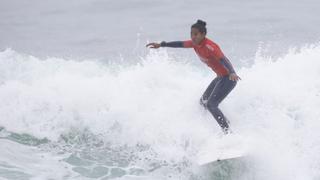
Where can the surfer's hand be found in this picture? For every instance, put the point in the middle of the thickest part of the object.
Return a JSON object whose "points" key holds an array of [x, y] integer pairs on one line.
{"points": [[234, 77], [153, 45]]}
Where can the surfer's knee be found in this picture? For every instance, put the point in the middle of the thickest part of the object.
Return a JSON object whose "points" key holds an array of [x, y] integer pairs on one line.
{"points": [[212, 104], [203, 102]]}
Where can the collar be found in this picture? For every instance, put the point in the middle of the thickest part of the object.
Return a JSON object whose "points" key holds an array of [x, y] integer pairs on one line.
{"points": [[202, 43]]}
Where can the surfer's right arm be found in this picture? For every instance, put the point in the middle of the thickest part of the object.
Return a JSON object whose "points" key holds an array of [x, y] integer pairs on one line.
{"points": [[173, 44]]}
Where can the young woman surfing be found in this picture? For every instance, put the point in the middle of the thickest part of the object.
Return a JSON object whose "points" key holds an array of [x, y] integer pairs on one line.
{"points": [[209, 53]]}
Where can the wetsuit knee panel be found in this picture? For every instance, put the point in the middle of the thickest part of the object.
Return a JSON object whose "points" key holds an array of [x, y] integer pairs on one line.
{"points": [[212, 103], [203, 102]]}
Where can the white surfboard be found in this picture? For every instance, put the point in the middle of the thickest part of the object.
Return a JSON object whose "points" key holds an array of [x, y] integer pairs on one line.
{"points": [[218, 149]]}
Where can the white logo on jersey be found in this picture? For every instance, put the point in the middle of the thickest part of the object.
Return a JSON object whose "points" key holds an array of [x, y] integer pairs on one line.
{"points": [[209, 47]]}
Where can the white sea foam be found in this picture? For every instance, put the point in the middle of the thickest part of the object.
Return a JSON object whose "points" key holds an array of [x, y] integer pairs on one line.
{"points": [[155, 102]]}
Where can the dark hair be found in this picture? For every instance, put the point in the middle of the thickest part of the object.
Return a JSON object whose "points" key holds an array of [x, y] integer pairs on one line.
{"points": [[200, 25]]}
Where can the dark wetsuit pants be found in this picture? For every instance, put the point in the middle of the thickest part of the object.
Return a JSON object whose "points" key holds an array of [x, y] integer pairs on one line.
{"points": [[218, 89]]}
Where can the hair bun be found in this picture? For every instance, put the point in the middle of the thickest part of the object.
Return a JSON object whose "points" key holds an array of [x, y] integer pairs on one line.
{"points": [[200, 22]]}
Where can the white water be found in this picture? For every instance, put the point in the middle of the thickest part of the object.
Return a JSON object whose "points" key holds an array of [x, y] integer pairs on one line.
{"points": [[155, 103]]}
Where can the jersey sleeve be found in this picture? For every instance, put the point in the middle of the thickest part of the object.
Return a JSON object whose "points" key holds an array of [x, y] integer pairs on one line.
{"points": [[187, 44], [174, 44]]}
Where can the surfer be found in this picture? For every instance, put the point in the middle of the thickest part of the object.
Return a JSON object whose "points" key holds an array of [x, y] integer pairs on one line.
{"points": [[211, 54]]}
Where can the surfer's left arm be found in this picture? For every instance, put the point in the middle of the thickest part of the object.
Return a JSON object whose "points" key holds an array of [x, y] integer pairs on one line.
{"points": [[216, 52], [232, 74]]}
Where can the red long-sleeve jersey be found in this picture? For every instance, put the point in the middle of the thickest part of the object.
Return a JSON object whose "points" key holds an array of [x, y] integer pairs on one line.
{"points": [[211, 54]]}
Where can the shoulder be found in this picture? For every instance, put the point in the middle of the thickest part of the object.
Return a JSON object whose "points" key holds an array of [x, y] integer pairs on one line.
{"points": [[187, 43], [212, 46], [211, 43]]}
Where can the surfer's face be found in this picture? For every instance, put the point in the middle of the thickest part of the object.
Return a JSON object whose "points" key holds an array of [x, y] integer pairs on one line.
{"points": [[197, 36]]}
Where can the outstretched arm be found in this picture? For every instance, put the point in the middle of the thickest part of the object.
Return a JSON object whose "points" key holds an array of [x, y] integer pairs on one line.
{"points": [[174, 44]]}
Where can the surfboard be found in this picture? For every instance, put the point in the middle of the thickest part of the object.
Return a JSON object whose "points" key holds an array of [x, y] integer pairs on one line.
{"points": [[219, 149]]}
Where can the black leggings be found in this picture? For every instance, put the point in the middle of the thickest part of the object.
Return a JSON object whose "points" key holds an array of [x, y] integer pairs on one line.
{"points": [[218, 89]]}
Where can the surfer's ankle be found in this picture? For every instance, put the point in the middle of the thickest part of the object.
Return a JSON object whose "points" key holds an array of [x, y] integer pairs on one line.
{"points": [[227, 131]]}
